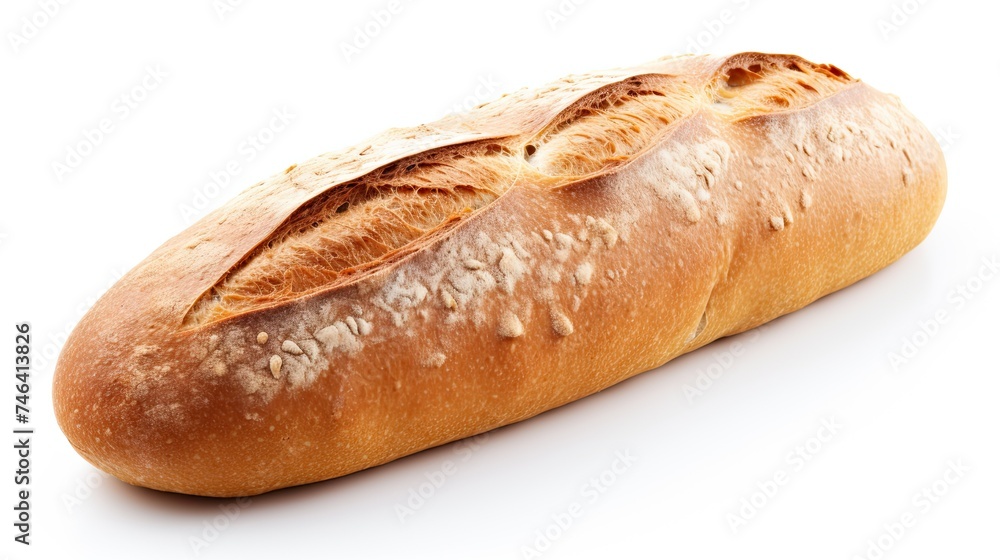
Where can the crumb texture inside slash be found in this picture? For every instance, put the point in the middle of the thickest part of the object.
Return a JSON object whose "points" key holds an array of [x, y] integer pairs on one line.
{"points": [[753, 83], [357, 225], [611, 125]]}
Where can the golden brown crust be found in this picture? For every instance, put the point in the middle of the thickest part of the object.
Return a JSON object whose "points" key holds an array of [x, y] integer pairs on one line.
{"points": [[445, 280]]}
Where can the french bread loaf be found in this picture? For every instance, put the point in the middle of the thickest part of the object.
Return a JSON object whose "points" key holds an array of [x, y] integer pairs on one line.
{"points": [[440, 281]]}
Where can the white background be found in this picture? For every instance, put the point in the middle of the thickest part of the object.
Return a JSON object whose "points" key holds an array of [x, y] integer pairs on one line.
{"points": [[65, 237]]}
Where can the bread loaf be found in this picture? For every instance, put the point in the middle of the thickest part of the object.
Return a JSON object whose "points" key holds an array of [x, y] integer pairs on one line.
{"points": [[440, 281]]}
